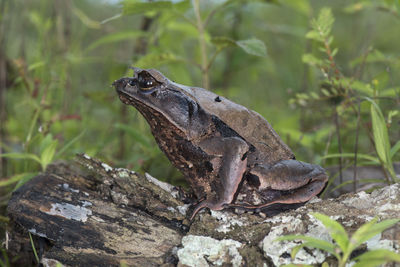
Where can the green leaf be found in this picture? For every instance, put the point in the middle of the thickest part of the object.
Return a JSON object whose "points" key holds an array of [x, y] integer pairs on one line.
{"points": [[334, 52], [36, 65], [394, 149], [356, 7], [85, 19], [381, 80], [221, 42], [115, 37], [295, 250], [380, 132], [48, 154], [325, 92], [131, 8], [253, 47], [16, 178], [336, 230], [369, 230], [311, 242], [321, 26], [21, 156], [376, 257], [313, 35], [311, 60]]}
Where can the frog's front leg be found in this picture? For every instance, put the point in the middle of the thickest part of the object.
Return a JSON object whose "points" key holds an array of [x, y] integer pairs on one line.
{"points": [[231, 153], [297, 181]]}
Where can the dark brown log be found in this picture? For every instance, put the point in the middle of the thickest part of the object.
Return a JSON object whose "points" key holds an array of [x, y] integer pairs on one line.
{"points": [[95, 219], [105, 216]]}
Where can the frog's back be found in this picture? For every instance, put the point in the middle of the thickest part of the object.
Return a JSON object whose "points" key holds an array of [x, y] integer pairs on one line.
{"points": [[247, 123]]}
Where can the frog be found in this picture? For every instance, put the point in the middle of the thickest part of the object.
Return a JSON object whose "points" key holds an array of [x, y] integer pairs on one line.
{"points": [[230, 155]]}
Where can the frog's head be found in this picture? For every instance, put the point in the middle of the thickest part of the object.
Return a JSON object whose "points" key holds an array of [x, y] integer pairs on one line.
{"points": [[153, 94]]}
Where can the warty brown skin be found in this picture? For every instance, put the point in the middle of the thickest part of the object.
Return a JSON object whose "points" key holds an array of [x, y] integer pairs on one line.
{"points": [[230, 155]]}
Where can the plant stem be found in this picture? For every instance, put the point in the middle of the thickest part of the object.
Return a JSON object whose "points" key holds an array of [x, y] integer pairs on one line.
{"points": [[337, 125], [202, 44], [356, 148]]}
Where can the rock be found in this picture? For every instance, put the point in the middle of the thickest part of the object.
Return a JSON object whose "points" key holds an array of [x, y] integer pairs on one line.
{"points": [[105, 216]]}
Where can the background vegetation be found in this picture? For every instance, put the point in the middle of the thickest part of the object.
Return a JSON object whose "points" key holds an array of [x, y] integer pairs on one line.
{"points": [[324, 73]]}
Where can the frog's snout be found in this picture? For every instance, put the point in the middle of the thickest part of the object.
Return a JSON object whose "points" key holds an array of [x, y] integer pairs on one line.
{"points": [[120, 84]]}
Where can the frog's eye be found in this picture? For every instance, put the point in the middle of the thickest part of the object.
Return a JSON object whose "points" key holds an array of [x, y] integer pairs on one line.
{"points": [[146, 82]]}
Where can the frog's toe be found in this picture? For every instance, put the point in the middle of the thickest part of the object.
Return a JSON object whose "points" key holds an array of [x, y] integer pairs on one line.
{"points": [[207, 204]]}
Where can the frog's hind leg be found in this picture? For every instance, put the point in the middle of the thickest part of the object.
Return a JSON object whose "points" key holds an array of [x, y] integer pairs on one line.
{"points": [[293, 182], [232, 152]]}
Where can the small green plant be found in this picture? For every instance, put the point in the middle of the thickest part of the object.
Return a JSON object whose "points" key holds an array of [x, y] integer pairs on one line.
{"points": [[343, 246], [353, 104], [47, 153]]}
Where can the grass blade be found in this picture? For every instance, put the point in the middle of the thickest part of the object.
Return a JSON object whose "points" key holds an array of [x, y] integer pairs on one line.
{"points": [[21, 156], [17, 178], [351, 155], [70, 143], [33, 248]]}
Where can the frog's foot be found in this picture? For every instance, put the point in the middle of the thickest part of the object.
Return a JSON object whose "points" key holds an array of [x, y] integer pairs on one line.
{"points": [[292, 181]]}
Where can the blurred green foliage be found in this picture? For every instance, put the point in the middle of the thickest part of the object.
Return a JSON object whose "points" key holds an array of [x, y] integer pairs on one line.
{"points": [[312, 68], [344, 246]]}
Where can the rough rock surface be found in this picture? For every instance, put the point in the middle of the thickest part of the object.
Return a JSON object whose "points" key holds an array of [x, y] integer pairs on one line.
{"points": [[105, 216]]}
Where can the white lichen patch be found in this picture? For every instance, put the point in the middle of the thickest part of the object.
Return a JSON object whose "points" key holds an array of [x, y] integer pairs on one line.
{"points": [[386, 193], [315, 200], [86, 156], [361, 200], [202, 250], [66, 187], [171, 209], [183, 209], [86, 203], [279, 251], [33, 231], [377, 243], [123, 173], [227, 221], [388, 207], [284, 220], [69, 211], [164, 186], [106, 167]]}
